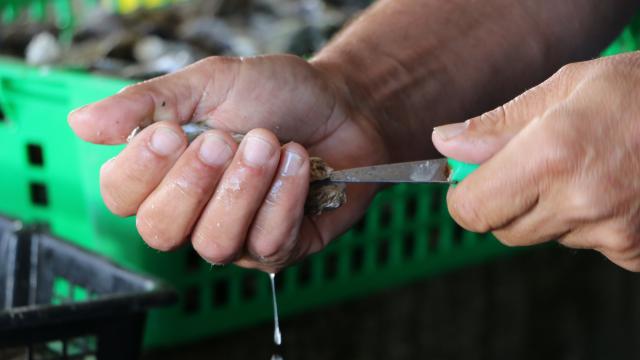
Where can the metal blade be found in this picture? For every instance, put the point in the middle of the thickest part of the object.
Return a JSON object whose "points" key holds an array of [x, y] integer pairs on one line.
{"points": [[424, 171]]}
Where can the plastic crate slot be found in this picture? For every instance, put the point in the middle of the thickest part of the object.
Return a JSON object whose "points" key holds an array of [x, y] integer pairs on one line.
{"points": [[50, 350], [457, 236], [411, 207], [80, 293], [3, 118], [249, 287], [38, 193], [433, 240], [384, 247], [386, 215], [192, 299], [194, 261], [331, 266], [360, 226], [220, 293], [61, 291], [81, 346], [437, 200], [35, 155], [357, 259], [304, 273], [409, 247]]}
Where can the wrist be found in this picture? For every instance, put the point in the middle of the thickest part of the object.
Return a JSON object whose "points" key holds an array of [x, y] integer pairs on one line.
{"points": [[401, 104]]}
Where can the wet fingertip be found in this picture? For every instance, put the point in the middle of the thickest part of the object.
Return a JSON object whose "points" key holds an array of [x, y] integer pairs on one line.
{"points": [[213, 252]]}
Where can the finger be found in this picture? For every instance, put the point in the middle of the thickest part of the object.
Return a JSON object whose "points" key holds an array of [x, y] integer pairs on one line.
{"points": [[129, 178], [168, 214], [220, 233], [275, 229], [173, 97], [538, 225], [479, 138], [309, 241], [503, 188]]}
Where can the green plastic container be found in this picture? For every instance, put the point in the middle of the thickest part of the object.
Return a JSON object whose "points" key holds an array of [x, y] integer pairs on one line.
{"points": [[49, 176]]}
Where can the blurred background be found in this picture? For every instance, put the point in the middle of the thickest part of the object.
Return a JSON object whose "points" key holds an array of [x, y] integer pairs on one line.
{"points": [[406, 282]]}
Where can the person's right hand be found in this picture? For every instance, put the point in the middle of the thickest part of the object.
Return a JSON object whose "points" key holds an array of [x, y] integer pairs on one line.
{"points": [[243, 203]]}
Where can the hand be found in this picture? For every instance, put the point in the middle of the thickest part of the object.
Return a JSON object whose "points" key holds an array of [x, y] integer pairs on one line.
{"points": [[561, 161], [236, 203]]}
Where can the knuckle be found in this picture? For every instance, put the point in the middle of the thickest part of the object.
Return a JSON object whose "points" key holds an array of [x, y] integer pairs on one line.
{"points": [[560, 148], [622, 244], [569, 69], [216, 61], [582, 205], [495, 119]]}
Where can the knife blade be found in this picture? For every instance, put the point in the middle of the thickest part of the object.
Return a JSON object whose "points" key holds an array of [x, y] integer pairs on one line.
{"points": [[424, 171]]}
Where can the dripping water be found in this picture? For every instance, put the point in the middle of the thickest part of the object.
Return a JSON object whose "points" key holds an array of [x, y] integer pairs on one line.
{"points": [[277, 336]]}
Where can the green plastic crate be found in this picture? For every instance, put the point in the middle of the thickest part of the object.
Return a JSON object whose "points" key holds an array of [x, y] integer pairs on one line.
{"points": [[49, 176]]}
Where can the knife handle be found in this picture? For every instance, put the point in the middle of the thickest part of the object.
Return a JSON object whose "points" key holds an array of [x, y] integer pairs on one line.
{"points": [[460, 170]]}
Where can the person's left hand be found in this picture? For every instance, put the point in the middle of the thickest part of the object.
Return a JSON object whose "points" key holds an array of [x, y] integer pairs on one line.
{"points": [[561, 161]]}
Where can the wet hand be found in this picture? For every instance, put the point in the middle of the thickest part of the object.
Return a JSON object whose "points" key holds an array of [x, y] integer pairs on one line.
{"points": [[235, 203], [561, 161]]}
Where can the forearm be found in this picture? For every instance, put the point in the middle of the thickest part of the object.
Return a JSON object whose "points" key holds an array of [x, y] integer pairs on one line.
{"points": [[418, 64]]}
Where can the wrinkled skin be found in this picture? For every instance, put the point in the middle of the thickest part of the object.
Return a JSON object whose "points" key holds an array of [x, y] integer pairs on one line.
{"points": [[561, 161], [233, 204]]}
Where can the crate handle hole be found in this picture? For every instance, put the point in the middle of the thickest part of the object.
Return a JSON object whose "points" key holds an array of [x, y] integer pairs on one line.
{"points": [[383, 251], [249, 287], [3, 118], [409, 245], [357, 259], [331, 266], [192, 300], [39, 195], [220, 293], [194, 261], [304, 273], [35, 155]]}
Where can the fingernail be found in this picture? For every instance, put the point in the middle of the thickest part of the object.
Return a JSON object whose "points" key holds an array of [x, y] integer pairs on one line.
{"points": [[77, 110], [449, 131], [165, 141], [292, 163], [256, 151], [214, 151], [107, 165]]}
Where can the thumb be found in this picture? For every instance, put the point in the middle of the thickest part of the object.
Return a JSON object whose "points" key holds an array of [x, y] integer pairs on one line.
{"points": [[478, 139], [174, 97]]}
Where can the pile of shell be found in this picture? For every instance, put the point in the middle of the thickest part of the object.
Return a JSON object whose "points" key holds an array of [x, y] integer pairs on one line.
{"points": [[148, 43]]}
